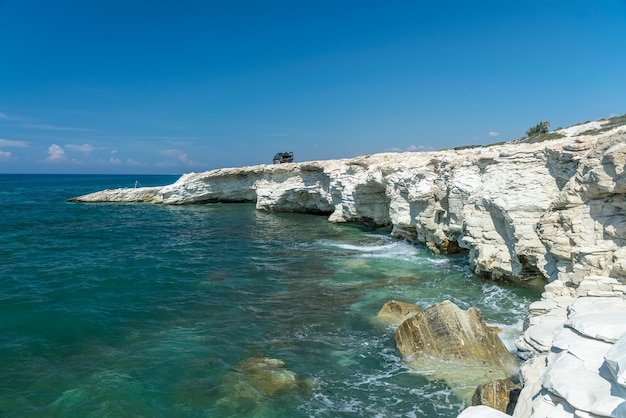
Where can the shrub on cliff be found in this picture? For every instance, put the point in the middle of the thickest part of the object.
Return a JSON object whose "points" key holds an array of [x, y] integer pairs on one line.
{"points": [[540, 128]]}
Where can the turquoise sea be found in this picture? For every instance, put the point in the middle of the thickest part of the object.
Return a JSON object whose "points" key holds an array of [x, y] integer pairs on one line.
{"points": [[140, 310]]}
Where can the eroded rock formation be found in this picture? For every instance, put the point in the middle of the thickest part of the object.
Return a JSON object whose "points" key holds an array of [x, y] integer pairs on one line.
{"points": [[551, 209], [576, 356], [445, 342], [395, 312]]}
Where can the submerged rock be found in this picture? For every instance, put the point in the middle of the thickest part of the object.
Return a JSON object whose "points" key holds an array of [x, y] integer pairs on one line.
{"points": [[395, 312], [255, 379], [94, 397], [445, 342]]}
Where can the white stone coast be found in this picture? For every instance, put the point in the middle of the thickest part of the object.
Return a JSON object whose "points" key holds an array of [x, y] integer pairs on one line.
{"points": [[552, 209]]}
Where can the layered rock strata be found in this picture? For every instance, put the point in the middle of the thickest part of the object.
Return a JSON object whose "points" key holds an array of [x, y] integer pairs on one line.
{"points": [[551, 207], [500, 395], [447, 343], [576, 351]]}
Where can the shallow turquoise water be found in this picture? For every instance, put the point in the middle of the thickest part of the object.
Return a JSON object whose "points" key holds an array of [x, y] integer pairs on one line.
{"points": [[111, 310]]}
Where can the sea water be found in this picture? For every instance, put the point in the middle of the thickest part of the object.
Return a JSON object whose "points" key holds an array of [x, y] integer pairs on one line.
{"points": [[128, 310]]}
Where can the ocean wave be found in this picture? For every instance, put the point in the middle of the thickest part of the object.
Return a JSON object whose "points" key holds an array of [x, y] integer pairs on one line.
{"points": [[509, 333], [503, 303], [388, 392], [398, 250], [439, 261], [502, 300]]}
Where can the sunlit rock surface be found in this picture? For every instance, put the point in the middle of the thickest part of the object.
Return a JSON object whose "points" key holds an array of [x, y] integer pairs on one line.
{"points": [[138, 194], [395, 312], [551, 209], [577, 365], [497, 394], [447, 343]]}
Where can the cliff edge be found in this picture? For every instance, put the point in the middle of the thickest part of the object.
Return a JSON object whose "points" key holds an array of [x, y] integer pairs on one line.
{"points": [[551, 207], [548, 207]]}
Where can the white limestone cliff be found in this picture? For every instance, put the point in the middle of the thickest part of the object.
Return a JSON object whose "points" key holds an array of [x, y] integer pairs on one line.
{"points": [[574, 338], [549, 209], [553, 209]]}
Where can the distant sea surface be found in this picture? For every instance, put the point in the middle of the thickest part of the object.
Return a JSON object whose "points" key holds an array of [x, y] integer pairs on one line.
{"points": [[129, 310]]}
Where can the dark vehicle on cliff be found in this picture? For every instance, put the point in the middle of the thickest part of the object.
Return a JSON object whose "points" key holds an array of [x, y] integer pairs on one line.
{"points": [[283, 157]]}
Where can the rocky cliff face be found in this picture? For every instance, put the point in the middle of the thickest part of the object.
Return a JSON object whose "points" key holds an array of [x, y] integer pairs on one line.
{"points": [[584, 230], [550, 208]]}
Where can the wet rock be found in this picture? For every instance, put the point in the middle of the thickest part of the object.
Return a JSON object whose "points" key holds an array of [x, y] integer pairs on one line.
{"points": [[497, 394], [445, 342], [395, 312]]}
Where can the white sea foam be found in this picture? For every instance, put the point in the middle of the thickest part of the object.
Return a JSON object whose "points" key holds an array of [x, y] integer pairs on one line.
{"points": [[502, 300], [509, 333], [389, 391], [439, 261], [430, 401], [397, 250]]}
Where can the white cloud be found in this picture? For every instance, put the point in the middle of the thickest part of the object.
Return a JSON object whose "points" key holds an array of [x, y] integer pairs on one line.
{"points": [[418, 148], [395, 149], [84, 148], [9, 143], [494, 134], [4, 116], [55, 153], [5, 155], [130, 161], [113, 151], [115, 161]]}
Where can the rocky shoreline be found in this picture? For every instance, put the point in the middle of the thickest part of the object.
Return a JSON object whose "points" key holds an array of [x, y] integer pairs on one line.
{"points": [[550, 208]]}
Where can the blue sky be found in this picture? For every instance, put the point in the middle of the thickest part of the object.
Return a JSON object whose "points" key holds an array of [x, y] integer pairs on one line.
{"points": [[171, 87]]}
